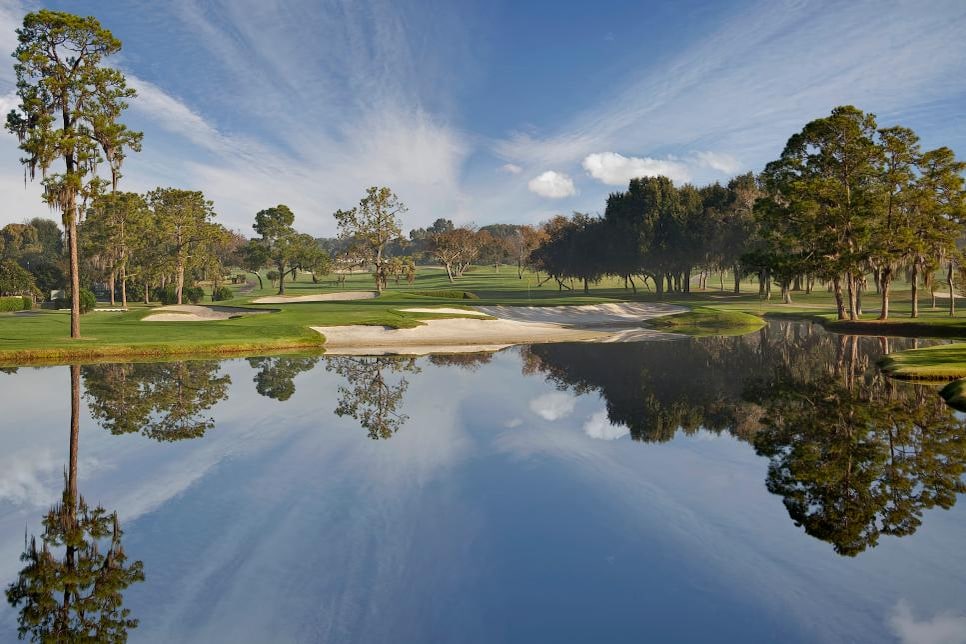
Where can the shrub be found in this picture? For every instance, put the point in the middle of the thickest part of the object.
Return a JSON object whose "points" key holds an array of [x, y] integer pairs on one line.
{"points": [[222, 293], [194, 294], [87, 300], [15, 303], [449, 295], [166, 295]]}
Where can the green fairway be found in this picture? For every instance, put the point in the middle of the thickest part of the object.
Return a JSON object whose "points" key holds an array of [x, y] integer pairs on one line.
{"points": [[42, 336]]}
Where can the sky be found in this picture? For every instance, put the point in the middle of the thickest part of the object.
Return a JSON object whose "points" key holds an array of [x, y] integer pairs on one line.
{"points": [[494, 111]]}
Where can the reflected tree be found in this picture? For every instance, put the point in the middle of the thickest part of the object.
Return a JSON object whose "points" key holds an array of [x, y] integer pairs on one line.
{"points": [[165, 401], [276, 375], [72, 583], [373, 391], [467, 361], [853, 454]]}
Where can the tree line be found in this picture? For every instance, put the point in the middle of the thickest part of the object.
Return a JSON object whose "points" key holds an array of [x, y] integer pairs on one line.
{"points": [[847, 202]]}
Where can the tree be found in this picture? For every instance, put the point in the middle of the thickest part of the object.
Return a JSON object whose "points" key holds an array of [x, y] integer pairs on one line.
{"points": [[521, 244], [184, 223], [369, 396], [69, 108], [372, 225], [825, 183], [71, 587], [274, 225], [15, 280], [253, 257], [455, 249], [115, 225], [276, 376], [165, 401]]}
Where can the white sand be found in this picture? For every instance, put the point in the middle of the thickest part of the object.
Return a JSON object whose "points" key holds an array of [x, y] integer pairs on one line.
{"points": [[196, 313], [318, 297], [444, 309], [514, 325]]}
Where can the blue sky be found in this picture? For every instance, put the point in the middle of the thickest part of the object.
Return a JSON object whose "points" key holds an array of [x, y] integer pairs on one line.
{"points": [[496, 111]]}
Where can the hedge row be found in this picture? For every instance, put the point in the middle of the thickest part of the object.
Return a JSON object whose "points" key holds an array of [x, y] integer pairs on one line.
{"points": [[15, 303]]}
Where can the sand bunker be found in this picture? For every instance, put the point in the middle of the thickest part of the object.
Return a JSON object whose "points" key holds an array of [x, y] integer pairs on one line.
{"points": [[446, 310], [514, 325], [318, 297], [197, 313]]}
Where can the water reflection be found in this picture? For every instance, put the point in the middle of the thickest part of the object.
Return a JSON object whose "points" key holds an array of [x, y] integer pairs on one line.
{"points": [[165, 401], [373, 391], [71, 586], [853, 454], [276, 376]]}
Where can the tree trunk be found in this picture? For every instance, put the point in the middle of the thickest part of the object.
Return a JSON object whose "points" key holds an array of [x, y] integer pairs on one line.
{"points": [[850, 282], [885, 282], [124, 286], [737, 277], [74, 275], [633, 285], [111, 283], [74, 434], [281, 277], [839, 303], [179, 284], [449, 272], [520, 269], [586, 287], [786, 293], [915, 290], [952, 292], [659, 284]]}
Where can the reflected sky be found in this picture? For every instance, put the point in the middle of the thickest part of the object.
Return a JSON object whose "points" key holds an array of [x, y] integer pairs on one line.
{"points": [[506, 506]]}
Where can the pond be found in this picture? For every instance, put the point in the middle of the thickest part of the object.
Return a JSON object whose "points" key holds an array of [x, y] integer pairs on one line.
{"points": [[771, 487]]}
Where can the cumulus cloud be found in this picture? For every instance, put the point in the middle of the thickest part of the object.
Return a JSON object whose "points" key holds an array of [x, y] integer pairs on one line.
{"points": [[616, 170], [941, 629], [597, 426], [552, 184], [553, 406], [511, 168], [723, 163]]}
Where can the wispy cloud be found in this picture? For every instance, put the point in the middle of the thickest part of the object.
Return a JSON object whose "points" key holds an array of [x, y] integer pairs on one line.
{"points": [[939, 629]]}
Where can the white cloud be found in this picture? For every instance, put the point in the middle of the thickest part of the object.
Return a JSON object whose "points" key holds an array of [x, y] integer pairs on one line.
{"points": [[616, 170], [552, 184], [723, 163], [597, 426], [511, 168], [553, 406], [941, 629]]}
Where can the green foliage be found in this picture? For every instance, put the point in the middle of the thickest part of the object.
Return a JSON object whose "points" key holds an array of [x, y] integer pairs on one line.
{"points": [[370, 227], [87, 300], [221, 294], [15, 303], [167, 295], [15, 280], [165, 401], [194, 294]]}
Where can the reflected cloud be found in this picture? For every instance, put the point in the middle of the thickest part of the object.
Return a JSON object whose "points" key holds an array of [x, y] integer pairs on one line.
{"points": [[553, 406], [597, 426], [940, 629]]}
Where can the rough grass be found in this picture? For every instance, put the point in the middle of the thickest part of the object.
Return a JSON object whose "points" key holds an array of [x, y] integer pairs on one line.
{"points": [[703, 320]]}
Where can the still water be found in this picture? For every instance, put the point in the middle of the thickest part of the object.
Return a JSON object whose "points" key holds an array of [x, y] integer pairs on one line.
{"points": [[773, 487]]}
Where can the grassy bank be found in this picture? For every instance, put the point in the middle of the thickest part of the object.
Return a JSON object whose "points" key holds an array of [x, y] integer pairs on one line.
{"points": [[43, 335], [942, 362], [703, 320]]}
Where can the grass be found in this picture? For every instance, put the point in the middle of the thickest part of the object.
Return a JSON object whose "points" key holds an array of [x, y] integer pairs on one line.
{"points": [[703, 320], [955, 394], [43, 335], [942, 362]]}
